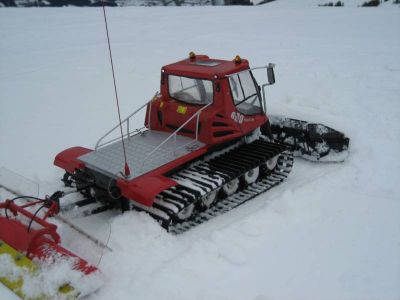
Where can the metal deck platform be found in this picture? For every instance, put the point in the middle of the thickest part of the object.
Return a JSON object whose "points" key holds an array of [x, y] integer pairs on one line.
{"points": [[109, 160]]}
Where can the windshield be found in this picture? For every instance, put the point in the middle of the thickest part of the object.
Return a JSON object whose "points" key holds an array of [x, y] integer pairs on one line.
{"points": [[245, 94], [190, 90]]}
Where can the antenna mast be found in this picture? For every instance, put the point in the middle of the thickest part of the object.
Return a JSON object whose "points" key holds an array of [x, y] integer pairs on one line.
{"points": [[127, 171]]}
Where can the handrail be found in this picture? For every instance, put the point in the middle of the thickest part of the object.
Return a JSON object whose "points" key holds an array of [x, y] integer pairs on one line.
{"points": [[123, 121], [177, 130], [128, 134]]}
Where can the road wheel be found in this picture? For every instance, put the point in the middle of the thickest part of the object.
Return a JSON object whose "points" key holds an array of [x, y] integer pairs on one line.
{"points": [[251, 176], [210, 199], [271, 163], [186, 212], [231, 187]]}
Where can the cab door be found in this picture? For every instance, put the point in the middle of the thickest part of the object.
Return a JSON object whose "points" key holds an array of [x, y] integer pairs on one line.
{"points": [[249, 113]]}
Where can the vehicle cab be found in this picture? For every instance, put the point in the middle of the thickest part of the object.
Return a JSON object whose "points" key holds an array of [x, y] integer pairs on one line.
{"points": [[224, 94]]}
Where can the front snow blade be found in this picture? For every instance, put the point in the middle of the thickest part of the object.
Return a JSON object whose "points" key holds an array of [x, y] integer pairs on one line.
{"points": [[311, 141], [31, 253], [16, 267]]}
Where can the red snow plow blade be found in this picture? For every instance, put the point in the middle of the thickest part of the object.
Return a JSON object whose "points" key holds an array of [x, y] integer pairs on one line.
{"points": [[34, 242], [25, 235]]}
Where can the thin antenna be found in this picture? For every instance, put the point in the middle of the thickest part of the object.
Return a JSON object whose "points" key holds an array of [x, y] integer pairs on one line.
{"points": [[127, 170]]}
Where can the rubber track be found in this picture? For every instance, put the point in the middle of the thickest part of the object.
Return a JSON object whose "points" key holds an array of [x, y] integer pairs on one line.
{"points": [[280, 173], [203, 177]]}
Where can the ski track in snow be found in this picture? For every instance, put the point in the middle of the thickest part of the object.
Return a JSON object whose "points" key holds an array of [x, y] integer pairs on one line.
{"points": [[330, 231]]}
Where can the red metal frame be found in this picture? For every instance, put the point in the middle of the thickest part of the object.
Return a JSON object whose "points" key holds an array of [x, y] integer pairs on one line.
{"points": [[68, 161], [36, 243]]}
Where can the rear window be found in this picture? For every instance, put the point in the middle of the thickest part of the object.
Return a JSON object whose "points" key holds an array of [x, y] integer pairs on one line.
{"points": [[190, 90]]}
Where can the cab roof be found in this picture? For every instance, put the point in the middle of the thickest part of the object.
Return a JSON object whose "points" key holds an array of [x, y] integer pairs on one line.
{"points": [[201, 66]]}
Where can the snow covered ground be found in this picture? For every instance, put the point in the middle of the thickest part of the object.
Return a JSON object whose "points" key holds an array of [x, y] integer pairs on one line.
{"points": [[331, 231]]}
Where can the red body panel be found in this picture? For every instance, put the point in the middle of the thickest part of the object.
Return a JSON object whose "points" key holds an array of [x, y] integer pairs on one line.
{"points": [[68, 161], [144, 188]]}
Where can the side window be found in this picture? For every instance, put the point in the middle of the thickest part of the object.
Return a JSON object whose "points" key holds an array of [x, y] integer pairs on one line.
{"points": [[245, 94], [190, 90]]}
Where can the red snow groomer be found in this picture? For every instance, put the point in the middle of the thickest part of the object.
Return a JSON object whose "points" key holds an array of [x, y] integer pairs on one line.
{"points": [[206, 147]]}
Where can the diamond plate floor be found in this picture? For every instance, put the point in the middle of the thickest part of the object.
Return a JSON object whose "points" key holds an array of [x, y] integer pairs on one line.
{"points": [[109, 160]]}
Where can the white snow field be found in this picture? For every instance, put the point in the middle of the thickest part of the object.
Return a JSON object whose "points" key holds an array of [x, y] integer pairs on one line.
{"points": [[330, 231]]}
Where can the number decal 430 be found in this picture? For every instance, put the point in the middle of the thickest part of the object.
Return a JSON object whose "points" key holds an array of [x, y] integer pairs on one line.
{"points": [[237, 117]]}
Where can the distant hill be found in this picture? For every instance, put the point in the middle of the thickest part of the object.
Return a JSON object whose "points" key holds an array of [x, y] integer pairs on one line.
{"points": [[58, 3], [283, 3]]}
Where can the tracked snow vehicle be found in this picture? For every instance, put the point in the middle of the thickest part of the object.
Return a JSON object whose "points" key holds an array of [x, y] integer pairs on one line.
{"points": [[206, 147]]}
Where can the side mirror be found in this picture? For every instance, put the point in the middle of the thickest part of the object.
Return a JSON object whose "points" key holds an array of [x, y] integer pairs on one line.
{"points": [[271, 74]]}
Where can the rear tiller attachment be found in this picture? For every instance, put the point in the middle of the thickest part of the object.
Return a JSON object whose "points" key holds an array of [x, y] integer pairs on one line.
{"points": [[311, 141]]}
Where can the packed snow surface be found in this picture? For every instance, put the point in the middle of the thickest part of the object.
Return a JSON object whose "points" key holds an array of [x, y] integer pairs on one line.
{"points": [[330, 231]]}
